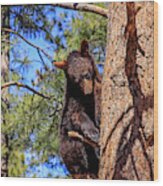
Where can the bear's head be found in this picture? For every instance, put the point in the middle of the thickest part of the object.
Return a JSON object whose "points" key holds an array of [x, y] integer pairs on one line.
{"points": [[79, 68]]}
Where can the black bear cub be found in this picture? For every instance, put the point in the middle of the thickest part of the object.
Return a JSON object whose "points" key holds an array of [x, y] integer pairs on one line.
{"points": [[81, 114]]}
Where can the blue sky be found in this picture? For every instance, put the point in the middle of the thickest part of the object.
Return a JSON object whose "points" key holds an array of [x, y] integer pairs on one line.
{"points": [[52, 168], [22, 47]]}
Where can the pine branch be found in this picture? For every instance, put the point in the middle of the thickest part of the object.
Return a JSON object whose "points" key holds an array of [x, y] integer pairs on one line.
{"points": [[24, 86], [28, 42], [84, 7]]}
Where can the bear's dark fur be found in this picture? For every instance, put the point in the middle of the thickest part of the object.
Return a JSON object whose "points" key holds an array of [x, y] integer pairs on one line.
{"points": [[81, 113]]}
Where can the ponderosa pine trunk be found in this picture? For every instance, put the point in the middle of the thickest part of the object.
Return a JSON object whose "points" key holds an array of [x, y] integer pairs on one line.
{"points": [[127, 123]]}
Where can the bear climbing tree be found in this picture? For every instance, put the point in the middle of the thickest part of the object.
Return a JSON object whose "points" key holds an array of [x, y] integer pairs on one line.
{"points": [[127, 136], [79, 128]]}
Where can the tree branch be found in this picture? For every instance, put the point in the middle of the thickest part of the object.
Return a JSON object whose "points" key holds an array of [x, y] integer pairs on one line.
{"points": [[28, 42], [74, 134], [24, 86], [84, 7]]}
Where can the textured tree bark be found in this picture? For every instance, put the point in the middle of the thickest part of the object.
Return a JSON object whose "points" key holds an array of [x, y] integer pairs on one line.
{"points": [[5, 78], [127, 131]]}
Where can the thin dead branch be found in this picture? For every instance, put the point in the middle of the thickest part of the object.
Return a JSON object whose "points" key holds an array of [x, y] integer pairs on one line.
{"points": [[24, 86], [28, 42], [84, 7]]}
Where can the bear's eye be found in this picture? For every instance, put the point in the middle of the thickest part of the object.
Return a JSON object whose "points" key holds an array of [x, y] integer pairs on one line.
{"points": [[87, 76]]}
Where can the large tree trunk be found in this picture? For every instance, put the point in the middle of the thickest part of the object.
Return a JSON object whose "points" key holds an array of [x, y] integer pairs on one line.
{"points": [[127, 131], [5, 78]]}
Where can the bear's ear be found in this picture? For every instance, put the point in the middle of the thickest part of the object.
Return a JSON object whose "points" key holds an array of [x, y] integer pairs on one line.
{"points": [[84, 48], [60, 64]]}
